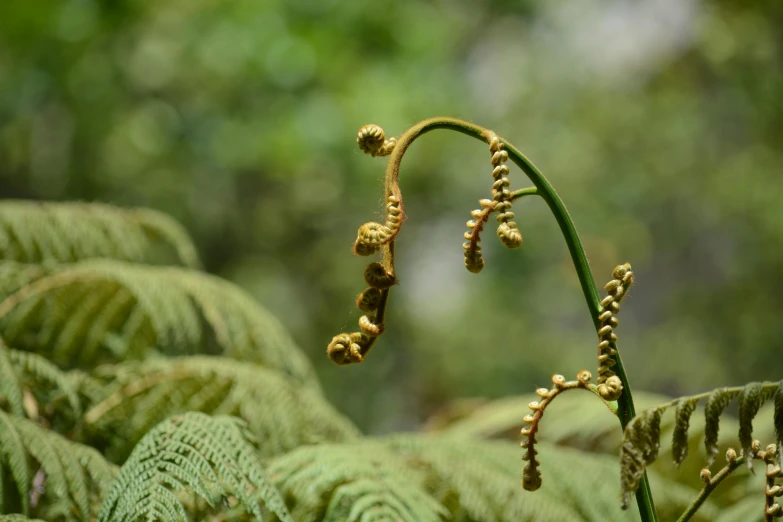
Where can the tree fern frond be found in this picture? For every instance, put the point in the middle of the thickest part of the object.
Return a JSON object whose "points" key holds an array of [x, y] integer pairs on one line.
{"points": [[281, 414], [103, 310], [476, 481], [32, 232], [75, 477], [211, 456], [642, 435], [357, 482]]}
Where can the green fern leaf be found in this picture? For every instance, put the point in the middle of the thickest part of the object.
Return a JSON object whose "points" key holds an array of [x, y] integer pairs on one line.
{"points": [[211, 456], [474, 480], [717, 402], [478, 481], [18, 518], [75, 476], [32, 232], [102, 310], [11, 390], [356, 482], [685, 409], [642, 435], [280, 413], [751, 399]]}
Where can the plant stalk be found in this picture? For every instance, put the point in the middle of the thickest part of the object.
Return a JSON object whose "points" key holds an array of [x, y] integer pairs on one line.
{"points": [[626, 410]]}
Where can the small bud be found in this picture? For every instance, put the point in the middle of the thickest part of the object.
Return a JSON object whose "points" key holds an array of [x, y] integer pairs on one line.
{"points": [[731, 455], [705, 475]]}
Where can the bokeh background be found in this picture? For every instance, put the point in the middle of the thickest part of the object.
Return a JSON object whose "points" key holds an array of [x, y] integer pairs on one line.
{"points": [[659, 122]]}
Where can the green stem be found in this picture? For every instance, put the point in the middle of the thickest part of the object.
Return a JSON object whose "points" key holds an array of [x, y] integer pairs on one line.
{"points": [[709, 488], [529, 191], [626, 410]]}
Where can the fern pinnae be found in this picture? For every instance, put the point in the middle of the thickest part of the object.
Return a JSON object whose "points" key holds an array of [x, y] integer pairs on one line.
{"points": [[751, 399], [717, 401], [33, 232], [282, 414], [642, 435], [336, 482], [210, 455], [685, 408], [130, 311], [10, 384], [13, 456], [75, 474]]}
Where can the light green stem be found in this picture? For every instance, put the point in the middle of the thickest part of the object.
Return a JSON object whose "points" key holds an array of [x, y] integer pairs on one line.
{"points": [[626, 410]]}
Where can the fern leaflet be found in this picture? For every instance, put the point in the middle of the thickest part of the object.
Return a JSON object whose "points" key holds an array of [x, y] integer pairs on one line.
{"points": [[281, 414], [75, 477], [102, 310], [211, 456], [32, 232]]}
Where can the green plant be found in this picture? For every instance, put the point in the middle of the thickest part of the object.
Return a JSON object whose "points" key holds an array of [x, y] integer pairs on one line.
{"points": [[642, 432], [136, 387]]}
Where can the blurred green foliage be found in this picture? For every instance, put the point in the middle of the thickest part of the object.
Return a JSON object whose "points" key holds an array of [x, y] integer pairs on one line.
{"points": [[659, 122]]}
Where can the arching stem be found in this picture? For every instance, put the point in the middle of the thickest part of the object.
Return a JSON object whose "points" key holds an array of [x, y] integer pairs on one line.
{"points": [[626, 410]]}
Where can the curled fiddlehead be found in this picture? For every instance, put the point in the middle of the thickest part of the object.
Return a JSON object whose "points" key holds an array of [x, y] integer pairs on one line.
{"points": [[372, 140], [474, 261], [771, 457], [609, 385], [372, 236], [507, 230], [531, 475]]}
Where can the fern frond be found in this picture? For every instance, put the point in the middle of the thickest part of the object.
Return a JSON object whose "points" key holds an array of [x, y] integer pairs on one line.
{"points": [[642, 435], [18, 518], [75, 477], [103, 310], [359, 482], [32, 232], [476, 481], [33, 387], [280, 413], [213, 457]]}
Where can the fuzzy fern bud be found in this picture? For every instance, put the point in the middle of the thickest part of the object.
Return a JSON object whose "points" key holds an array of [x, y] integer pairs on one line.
{"points": [[344, 349], [617, 288], [377, 277], [507, 230], [474, 262], [531, 475], [372, 140], [369, 300]]}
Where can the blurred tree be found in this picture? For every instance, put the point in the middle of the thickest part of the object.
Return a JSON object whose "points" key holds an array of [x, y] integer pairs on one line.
{"points": [[659, 122]]}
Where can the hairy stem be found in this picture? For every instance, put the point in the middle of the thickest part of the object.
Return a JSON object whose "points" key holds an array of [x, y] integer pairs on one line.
{"points": [[626, 410], [709, 487]]}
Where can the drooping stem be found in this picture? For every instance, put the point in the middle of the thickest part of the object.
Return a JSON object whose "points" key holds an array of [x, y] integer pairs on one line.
{"points": [[626, 410]]}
